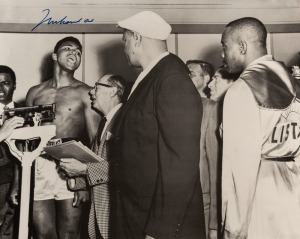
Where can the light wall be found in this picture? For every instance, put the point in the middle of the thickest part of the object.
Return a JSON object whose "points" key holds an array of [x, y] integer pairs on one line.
{"points": [[30, 54], [286, 47]]}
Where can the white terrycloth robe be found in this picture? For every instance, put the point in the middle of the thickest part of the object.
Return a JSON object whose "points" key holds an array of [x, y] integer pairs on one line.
{"points": [[260, 195]]}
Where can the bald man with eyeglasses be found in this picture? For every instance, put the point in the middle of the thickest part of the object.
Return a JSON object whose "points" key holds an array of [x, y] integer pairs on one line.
{"points": [[107, 97]]}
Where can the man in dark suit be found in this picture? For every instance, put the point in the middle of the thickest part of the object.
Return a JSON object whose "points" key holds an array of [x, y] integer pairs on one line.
{"points": [[158, 192], [107, 97], [8, 166]]}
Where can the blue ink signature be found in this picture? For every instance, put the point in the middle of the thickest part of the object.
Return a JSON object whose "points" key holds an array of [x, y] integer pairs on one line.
{"points": [[61, 21]]}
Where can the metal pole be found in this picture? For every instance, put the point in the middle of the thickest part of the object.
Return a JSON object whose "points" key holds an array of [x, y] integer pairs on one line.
{"points": [[25, 198]]}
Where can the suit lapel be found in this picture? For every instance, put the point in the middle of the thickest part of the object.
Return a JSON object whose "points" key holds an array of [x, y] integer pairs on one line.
{"points": [[132, 98], [102, 150], [137, 91], [111, 124]]}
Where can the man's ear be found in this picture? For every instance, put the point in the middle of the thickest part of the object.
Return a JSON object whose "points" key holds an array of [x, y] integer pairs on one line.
{"points": [[243, 47], [113, 91], [138, 38], [54, 56]]}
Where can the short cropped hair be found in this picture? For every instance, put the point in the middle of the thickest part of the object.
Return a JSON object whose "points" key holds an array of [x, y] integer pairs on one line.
{"points": [[226, 75], [71, 39], [205, 66], [253, 27], [8, 70], [120, 83]]}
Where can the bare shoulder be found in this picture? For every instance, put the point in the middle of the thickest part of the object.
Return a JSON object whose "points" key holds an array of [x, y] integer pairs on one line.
{"points": [[38, 87], [82, 90], [81, 86], [34, 91]]}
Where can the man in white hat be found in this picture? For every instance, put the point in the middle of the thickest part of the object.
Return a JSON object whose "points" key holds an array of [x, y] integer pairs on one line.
{"points": [[158, 192]]}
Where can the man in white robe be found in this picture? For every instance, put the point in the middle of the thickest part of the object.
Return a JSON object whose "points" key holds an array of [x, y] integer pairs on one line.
{"points": [[261, 119]]}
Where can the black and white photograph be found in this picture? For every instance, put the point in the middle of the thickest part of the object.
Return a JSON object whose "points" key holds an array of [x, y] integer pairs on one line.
{"points": [[150, 119]]}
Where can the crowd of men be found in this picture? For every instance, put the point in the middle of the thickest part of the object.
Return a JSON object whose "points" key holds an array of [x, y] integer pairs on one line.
{"points": [[187, 152]]}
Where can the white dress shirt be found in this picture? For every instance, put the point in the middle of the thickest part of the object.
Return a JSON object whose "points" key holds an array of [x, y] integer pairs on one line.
{"points": [[110, 115], [9, 105]]}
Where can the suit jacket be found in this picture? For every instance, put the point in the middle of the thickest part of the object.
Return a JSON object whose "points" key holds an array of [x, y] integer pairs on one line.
{"points": [[210, 158], [97, 179], [158, 191]]}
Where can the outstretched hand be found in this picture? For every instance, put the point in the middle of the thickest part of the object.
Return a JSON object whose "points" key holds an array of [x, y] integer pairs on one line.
{"points": [[9, 125], [72, 167]]}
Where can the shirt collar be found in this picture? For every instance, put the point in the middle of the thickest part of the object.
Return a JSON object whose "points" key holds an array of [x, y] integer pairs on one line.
{"points": [[154, 62], [112, 112], [9, 105]]}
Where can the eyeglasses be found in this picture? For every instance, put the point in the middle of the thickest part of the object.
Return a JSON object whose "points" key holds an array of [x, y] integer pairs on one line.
{"points": [[106, 85], [102, 84]]}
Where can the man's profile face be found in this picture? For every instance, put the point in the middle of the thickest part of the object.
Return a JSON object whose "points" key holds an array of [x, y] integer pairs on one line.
{"points": [[69, 55], [231, 52], [218, 86], [129, 47], [197, 75], [7, 88], [101, 93]]}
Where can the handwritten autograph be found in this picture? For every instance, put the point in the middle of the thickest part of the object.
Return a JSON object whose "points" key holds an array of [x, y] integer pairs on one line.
{"points": [[64, 20]]}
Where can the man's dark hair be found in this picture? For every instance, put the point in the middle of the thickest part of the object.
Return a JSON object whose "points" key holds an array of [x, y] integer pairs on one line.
{"points": [[71, 39], [205, 66], [253, 27], [120, 83], [226, 75], [8, 70]]}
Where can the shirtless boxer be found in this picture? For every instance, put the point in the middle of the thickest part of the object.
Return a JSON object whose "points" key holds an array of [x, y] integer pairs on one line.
{"points": [[54, 216]]}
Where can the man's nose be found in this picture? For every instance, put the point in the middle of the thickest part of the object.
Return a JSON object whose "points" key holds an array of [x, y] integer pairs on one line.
{"points": [[73, 51], [222, 54]]}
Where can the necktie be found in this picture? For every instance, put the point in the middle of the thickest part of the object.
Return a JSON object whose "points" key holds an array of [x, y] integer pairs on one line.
{"points": [[100, 129]]}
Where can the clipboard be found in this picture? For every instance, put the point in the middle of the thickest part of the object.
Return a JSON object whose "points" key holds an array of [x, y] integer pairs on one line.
{"points": [[73, 149]]}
